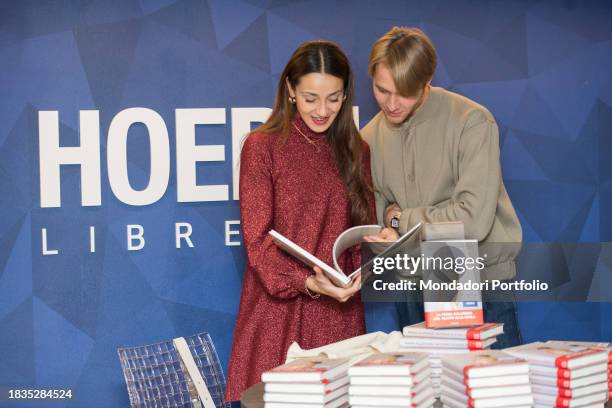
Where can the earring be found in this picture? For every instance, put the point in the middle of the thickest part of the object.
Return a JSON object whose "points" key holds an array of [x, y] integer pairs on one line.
{"points": [[292, 99]]}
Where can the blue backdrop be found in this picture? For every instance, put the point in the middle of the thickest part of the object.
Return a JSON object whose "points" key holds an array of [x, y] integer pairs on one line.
{"points": [[542, 68]]}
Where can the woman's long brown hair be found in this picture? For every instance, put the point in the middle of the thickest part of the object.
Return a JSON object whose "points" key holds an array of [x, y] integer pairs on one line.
{"points": [[326, 58]]}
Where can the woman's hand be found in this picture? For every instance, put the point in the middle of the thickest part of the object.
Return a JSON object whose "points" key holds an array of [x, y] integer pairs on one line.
{"points": [[320, 283]]}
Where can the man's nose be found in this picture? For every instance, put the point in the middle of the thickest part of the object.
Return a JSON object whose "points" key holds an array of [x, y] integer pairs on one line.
{"points": [[392, 102]]}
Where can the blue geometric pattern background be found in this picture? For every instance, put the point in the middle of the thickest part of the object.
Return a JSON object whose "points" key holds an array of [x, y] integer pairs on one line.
{"points": [[541, 67]]}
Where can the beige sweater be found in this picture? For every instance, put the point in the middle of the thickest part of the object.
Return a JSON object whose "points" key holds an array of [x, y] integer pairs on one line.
{"points": [[442, 164]]}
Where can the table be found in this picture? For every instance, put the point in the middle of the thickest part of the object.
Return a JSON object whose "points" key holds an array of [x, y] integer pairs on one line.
{"points": [[253, 398]]}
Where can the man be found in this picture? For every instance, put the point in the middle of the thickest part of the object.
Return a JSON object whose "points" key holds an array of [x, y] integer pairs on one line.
{"points": [[435, 158]]}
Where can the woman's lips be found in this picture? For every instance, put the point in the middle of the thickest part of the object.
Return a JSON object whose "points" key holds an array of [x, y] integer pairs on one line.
{"points": [[320, 121]]}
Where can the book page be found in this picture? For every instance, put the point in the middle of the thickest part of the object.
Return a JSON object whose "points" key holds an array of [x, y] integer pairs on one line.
{"points": [[349, 238], [392, 249]]}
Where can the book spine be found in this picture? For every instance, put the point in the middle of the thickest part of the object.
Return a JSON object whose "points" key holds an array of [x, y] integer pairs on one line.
{"points": [[475, 333], [475, 344], [561, 383], [563, 361]]}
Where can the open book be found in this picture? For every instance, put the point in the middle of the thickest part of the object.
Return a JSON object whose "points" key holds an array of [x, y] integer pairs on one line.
{"points": [[347, 239]]}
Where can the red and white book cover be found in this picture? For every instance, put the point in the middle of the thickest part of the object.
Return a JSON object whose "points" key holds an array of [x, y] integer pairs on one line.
{"points": [[453, 314], [455, 398], [595, 345], [389, 390], [451, 403], [487, 382], [566, 373], [569, 392], [464, 344], [561, 402], [568, 383], [477, 332], [560, 356], [401, 380], [310, 369], [487, 363], [307, 388], [340, 402], [486, 392], [434, 353], [391, 364], [426, 403], [602, 346], [391, 401], [305, 398]]}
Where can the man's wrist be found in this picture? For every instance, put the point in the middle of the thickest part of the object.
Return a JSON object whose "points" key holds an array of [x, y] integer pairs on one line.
{"points": [[394, 222]]}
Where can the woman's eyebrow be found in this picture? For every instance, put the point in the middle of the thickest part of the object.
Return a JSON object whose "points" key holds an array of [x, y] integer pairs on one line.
{"points": [[316, 94]]}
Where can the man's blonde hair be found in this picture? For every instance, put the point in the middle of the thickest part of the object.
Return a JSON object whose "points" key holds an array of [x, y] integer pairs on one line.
{"points": [[409, 55]]}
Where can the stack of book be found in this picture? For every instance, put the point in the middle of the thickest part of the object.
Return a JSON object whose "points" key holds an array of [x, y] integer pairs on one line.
{"points": [[484, 379], [391, 380], [597, 346], [565, 375], [315, 382], [440, 342]]}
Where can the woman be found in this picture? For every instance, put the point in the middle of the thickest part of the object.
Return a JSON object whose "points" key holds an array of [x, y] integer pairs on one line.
{"points": [[306, 174]]}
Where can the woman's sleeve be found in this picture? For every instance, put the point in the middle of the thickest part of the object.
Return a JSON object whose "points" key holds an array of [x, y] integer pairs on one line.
{"points": [[281, 275]]}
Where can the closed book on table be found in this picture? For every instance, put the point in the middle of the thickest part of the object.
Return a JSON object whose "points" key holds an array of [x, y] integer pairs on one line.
{"points": [[427, 403], [601, 387], [560, 356], [568, 382], [391, 364], [457, 400], [591, 344], [496, 381], [309, 369], [429, 342], [408, 401], [340, 402], [305, 398], [389, 390], [307, 388], [486, 392], [432, 351], [487, 363], [567, 373], [406, 380], [560, 402], [479, 332]]}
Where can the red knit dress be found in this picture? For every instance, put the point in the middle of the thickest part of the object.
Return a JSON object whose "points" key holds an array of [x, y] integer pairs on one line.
{"points": [[294, 188]]}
